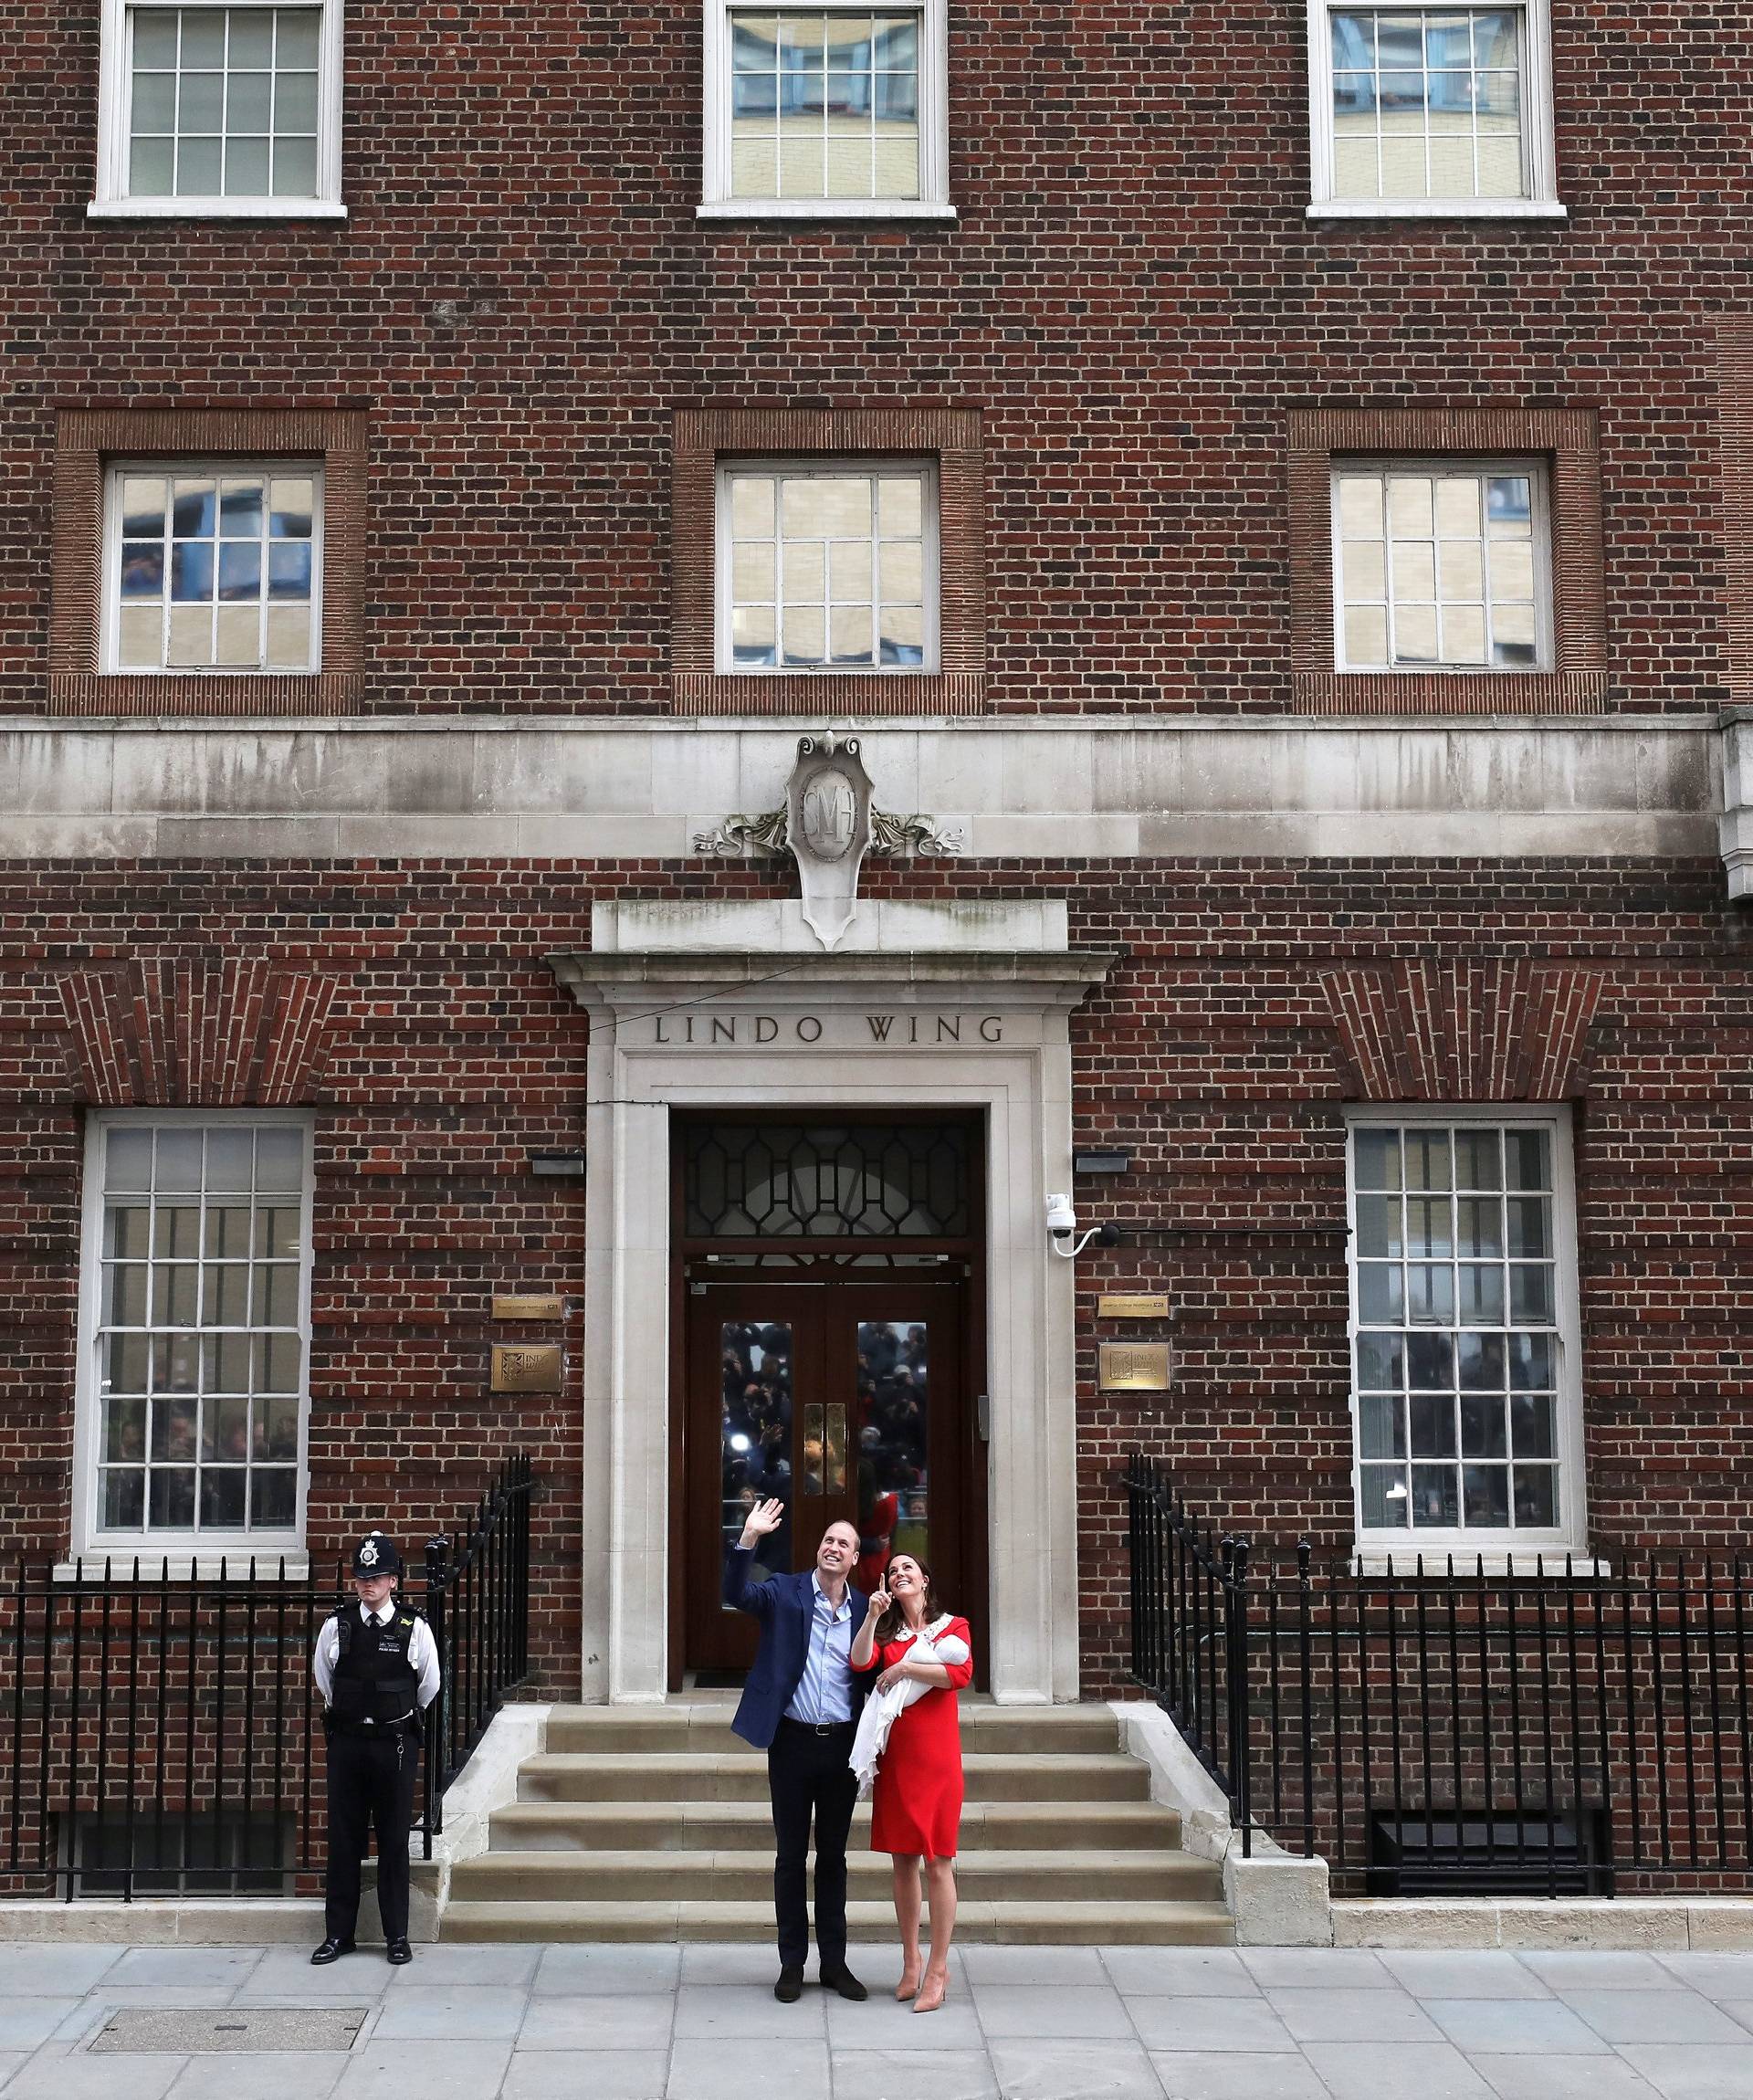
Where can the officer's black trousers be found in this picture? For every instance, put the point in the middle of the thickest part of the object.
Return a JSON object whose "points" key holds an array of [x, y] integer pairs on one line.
{"points": [[809, 1776], [371, 1788]]}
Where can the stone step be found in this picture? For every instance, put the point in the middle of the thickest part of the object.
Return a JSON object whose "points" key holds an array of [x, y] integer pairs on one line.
{"points": [[868, 1924], [665, 1776], [748, 1826], [685, 1878], [1017, 1731]]}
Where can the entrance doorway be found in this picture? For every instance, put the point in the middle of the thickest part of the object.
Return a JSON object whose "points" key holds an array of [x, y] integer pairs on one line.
{"points": [[829, 1354]]}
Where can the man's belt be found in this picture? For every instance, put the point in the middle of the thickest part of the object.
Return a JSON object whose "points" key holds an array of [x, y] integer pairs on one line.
{"points": [[816, 1727]]}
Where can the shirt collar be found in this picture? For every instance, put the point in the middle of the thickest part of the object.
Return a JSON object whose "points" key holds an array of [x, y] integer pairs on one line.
{"points": [[821, 1595], [381, 1617]]}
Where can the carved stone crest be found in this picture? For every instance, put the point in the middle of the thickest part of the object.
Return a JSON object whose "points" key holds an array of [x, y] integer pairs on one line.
{"points": [[828, 811], [828, 824]]}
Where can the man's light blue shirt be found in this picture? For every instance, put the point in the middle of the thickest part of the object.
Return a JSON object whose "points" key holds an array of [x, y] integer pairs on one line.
{"points": [[825, 1690]]}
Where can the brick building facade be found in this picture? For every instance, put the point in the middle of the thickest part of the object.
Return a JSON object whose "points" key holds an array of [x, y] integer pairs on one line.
{"points": [[425, 892]]}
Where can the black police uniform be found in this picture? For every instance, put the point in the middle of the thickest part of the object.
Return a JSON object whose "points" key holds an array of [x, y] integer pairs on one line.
{"points": [[373, 1726]]}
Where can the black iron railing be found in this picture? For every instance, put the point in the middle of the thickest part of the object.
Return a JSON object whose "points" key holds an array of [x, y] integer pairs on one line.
{"points": [[1440, 1726], [158, 1734], [478, 1602]]}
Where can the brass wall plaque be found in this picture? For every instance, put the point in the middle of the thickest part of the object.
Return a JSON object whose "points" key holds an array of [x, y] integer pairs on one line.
{"points": [[1135, 1307], [1134, 1365], [526, 1370], [528, 1308]]}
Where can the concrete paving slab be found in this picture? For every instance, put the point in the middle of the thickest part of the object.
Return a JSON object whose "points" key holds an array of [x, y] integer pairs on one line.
{"points": [[1062, 2012], [1638, 2016], [185, 1967], [285, 1972], [12, 2060], [709, 2071], [266, 2074], [1516, 2027], [1179, 1972], [722, 2013], [1718, 1976], [591, 1970], [59, 2073], [26, 2023], [1318, 1969], [1051, 1965], [1089, 2070], [475, 1966], [1569, 1970], [1461, 1972], [434, 2070], [1349, 2015], [942, 2074], [1218, 2025], [632, 2020], [597, 2073], [1396, 2071], [1702, 2073], [885, 2024], [451, 2012], [1202, 2074], [1563, 2078], [54, 1971]]}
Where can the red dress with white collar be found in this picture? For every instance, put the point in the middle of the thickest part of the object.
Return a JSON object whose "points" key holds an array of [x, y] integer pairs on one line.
{"points": [[916, 1806]]}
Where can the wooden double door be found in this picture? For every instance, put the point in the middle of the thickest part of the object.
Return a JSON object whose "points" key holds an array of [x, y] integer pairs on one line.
{"points": [[842, 1396]]}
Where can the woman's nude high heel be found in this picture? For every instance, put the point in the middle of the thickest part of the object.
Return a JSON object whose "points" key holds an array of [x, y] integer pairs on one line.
{"points": [[932, 1991], [909, 1987]]}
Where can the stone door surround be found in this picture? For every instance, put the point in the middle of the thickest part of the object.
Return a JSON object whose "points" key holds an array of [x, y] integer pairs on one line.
{"points": [[723, 1028]]}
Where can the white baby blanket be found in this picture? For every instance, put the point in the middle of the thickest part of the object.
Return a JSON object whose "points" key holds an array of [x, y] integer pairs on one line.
{"points": [[882, 1707]]}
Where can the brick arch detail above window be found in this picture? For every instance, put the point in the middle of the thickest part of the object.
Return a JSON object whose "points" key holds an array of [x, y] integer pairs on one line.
{"points": [[191, 1031], [1474, 1028], [1568, 440]]}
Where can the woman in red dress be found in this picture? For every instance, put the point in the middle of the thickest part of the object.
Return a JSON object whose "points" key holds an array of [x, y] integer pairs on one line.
{"points": [[916, 1813]]}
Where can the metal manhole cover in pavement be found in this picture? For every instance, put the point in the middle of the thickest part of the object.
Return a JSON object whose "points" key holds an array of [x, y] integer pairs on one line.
{"points": [[190, 2033]]}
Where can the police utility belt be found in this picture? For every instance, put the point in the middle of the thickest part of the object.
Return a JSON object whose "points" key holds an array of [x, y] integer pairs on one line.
{"points": [[336, 1725]]}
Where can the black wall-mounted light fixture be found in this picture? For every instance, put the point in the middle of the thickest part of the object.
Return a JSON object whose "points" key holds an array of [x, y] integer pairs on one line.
{"points": [[558, 1165], [1101, 1163]]}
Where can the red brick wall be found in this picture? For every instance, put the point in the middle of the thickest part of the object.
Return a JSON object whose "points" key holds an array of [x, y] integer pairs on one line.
{"points": [[1212, 1056], [1133, 300]]}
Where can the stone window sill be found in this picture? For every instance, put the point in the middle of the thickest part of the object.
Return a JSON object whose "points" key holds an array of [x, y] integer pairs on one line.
{"points": [[215, 208], [1437, 208], [1550, 1561], [158, 1566], [874, 210]]}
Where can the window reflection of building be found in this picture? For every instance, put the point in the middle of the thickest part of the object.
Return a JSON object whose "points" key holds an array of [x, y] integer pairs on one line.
{"points": [[893, 1399], [755, 1438]]}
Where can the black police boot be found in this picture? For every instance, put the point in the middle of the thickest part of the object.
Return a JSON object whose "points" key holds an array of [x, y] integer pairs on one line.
{"points": [[331, 1950], [842, 1979], [399, 1951], [789, 1987]]}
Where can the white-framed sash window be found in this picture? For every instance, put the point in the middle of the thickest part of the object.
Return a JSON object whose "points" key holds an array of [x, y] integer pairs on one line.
{"points": [[195, 1316], [1442, 564], [208, 108], [213, 565], [831, 112], [826, 566], [1465, 1374], [1418, 113]]}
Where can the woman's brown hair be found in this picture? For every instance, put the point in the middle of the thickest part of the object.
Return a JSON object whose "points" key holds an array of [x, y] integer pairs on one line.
{"points": [[892, 1624]]}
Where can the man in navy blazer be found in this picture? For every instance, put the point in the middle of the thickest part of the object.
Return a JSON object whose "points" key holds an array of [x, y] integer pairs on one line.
{"points": [[800, 1705]]}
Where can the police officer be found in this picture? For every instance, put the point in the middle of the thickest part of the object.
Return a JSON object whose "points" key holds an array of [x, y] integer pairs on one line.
{"points": [[376, 1666]]}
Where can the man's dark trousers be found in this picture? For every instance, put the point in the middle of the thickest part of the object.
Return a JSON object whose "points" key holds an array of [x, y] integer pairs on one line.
{"points": [[809, 1774], [371, 1788]]}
